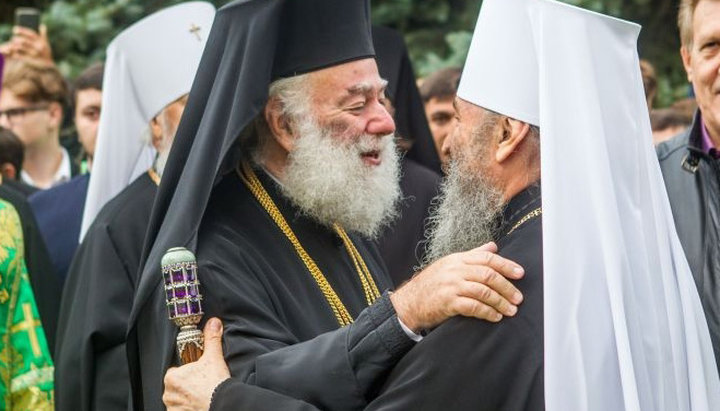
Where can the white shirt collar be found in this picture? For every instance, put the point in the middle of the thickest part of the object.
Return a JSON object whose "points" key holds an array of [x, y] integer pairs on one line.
{"points": [[62, 174]]}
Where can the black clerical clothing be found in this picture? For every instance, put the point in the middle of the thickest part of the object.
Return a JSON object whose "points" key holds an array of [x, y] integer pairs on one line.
{"points": [[279, 332], [44, 283], [91, 371], [470, 364], [401, 243]]}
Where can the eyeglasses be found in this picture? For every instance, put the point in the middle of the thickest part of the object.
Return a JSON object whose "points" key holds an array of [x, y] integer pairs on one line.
{"points": [[14, 113]]}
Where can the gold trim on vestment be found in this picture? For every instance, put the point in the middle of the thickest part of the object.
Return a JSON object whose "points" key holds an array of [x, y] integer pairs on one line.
{"points": [[368, 283]]}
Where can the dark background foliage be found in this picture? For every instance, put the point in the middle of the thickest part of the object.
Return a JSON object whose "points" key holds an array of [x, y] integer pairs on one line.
{"points": [[438, 32]]}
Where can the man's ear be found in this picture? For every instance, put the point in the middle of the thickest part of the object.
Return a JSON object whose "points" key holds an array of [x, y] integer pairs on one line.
{"points": [[513, 133], [685, 54], [8, 171], [56, 114], [280, 126]]}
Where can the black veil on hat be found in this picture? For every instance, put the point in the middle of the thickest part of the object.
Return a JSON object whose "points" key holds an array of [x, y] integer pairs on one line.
{"points": [[251, 43], [410, 121]]}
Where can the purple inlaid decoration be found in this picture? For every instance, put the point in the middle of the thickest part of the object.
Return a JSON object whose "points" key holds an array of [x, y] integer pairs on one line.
{"points": [[171, 310], [195, 307], [177, 276], [193, 290], [180, 292], [168, 294], [182, 308], [191, 273], [167, 277]]}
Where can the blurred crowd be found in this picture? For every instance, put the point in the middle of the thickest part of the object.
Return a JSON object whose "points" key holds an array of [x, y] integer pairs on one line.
{"points": [[49, 127]]}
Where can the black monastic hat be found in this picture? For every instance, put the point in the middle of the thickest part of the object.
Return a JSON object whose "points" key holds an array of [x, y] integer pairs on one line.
{"points": [[251, 43]]}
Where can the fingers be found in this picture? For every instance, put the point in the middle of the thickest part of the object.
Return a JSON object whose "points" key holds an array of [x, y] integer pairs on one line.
{"points": [[25, 32], [212, 334], [495, 281], [487, 296], [491, 247], [469, 307], [505, 267]]}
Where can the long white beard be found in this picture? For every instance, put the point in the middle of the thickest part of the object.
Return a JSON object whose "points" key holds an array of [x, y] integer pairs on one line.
{"points": [[465, 213], [329, 182]]}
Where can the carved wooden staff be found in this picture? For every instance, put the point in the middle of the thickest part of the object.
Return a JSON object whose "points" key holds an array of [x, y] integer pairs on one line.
{"points": [[184, 301]]}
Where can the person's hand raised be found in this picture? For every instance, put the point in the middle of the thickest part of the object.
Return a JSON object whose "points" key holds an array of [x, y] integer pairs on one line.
{"points": [[29, 44]]}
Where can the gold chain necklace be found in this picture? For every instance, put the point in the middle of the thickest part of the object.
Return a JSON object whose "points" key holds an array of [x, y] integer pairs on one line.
{"points": [[529, 216], [368, 283], [153, 176]]}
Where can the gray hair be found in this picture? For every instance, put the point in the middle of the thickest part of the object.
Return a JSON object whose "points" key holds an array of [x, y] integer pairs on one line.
{"points": [[292, 93]]}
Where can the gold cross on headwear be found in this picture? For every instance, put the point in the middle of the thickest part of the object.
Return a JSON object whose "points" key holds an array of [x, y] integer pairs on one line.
{"points": [[195, 29], [29, 324]]}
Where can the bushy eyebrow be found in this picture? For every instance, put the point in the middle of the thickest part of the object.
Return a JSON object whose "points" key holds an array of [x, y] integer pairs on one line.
{"points": [[362, 88]]}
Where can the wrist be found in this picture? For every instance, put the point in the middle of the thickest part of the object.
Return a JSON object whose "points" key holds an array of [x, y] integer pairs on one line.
{"points": [[403, 312]]}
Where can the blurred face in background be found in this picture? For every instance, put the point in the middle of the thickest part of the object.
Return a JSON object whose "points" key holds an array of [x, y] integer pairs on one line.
{"points": [[87, 117], [441, 119], [33, 123], [702, 61]]}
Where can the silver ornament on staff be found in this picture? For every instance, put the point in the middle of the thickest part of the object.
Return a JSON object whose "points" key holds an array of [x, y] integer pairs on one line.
{"points": [[184, 301]]}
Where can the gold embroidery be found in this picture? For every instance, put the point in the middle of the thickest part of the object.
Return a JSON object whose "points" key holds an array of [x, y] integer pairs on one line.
{"points": [[368, 283], [29, 324], [529, 216], [36, 376], [33, 398]]}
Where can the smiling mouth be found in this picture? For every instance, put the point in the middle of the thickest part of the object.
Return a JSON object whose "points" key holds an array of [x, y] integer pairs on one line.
{"points": [[371, 157]]}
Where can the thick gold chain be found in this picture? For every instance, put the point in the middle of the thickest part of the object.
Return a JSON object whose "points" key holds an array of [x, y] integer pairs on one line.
{"points": [[529, 216], [341, 313]]}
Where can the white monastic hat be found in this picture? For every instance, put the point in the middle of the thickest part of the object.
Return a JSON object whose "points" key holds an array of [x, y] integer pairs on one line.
{"points": [[623, 325], [149, 65]]}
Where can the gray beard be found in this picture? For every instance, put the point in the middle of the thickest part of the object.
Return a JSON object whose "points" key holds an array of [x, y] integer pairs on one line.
{"points": [[329, 182], [463, 217]]}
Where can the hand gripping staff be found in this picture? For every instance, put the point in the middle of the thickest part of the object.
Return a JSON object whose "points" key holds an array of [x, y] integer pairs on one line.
{"points": [[184, 301]]}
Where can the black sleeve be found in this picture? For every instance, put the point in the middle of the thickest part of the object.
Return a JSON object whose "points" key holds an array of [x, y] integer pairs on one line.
{"points": [[234, 395], [337, 370]]}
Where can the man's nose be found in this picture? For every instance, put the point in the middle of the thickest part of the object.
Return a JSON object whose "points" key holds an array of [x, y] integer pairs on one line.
{"points": [[380, 123], [445, 149]]}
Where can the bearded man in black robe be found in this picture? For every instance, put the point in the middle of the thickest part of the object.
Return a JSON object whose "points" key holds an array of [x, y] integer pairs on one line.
{"points": [[301, 182]]}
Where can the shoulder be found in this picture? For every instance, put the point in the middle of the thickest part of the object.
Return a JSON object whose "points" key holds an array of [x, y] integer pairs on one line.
{"points": [[77, 185], [137, 196], [10, 231], [674, 147]]}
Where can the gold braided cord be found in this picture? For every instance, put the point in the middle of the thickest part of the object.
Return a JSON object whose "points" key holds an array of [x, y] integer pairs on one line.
{"points": [[371, 291], [529, 216], [341, 313]]}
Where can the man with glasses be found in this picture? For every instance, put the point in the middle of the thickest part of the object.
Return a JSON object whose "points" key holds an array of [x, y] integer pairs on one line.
{"points": [[31, 105]]}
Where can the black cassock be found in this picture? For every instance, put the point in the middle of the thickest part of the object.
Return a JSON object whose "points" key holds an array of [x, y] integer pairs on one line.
{"points": [[468, 364], [91, 371], [44, 282], [279, 332]]}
